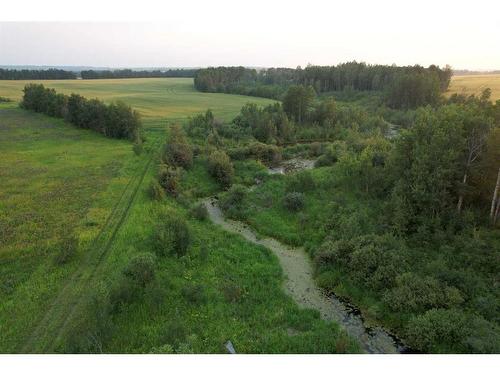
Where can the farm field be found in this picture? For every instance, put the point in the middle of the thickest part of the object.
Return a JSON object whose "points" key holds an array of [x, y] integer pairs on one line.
{"points": [[475, 84], [60, 183], [154, 98]]}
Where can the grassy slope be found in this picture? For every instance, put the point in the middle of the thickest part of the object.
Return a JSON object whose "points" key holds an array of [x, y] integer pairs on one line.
{"points": [[475, 84], [76, 181]]}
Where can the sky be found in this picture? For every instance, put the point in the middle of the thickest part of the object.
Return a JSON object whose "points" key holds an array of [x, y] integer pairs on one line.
{"points": [[257, 33]]}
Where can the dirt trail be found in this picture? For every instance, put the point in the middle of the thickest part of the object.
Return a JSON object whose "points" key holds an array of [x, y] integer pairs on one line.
{"points": [[300, 285]]}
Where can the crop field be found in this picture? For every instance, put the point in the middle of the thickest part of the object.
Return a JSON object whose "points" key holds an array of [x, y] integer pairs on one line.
{"points": [[154, 98], [60, 182], [475, 84]]}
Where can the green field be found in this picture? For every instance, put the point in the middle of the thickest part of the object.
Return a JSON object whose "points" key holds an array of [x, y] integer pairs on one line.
{"points": [[59, 182], [154, 98], [475, 84]]}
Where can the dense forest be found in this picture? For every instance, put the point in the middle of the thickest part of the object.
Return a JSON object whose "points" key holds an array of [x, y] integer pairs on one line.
{"points": [[129, 73], [116, 120], [14, 74], [402, 87]]}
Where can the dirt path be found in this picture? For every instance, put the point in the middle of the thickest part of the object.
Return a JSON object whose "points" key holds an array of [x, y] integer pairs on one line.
{"points": [[300, 285]]}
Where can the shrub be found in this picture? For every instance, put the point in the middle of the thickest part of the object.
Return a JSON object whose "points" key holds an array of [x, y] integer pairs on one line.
{"points": [[204, 253], [178, 151], [232, 201], [416, 293], [194, 294], [169, 179], [267, 154], [301, 182], [171, 236], [137, 148], [67, 248], [141, 268], [199, 212], [156, 191], [437, 329], [221, 168], [294, 201], [3, 99], [125, 291]]}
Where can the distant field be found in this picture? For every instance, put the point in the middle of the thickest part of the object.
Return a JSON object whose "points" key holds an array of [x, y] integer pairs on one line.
{"points": [[475, 84], [154, 98]]}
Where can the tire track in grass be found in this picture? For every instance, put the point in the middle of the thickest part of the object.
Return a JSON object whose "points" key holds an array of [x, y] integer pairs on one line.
{"points": [[51, 327]]}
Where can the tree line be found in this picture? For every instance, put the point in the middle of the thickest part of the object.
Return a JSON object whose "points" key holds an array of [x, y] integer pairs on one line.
{"points": [[129, 73], [116, 120], [404, 87], [14, 74]]}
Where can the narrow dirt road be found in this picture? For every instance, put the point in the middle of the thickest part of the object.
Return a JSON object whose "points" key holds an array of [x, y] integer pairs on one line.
{"points": [[300, 285]]}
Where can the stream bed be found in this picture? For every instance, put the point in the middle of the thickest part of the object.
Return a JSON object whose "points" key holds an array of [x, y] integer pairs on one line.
{"points": [[300, 285], [299, 280]]}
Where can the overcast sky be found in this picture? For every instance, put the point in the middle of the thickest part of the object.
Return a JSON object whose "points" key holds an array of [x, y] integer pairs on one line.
{"points": [[254, 33]]}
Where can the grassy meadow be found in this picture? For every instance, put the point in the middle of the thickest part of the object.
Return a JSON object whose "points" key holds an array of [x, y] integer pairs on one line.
{"points": [[475, 84], [61, 183]]}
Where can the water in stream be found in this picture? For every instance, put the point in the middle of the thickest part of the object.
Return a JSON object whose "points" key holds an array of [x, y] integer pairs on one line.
{"points": [[300, 284]]}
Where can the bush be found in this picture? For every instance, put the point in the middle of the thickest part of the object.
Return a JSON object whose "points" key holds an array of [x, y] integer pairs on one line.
{"points": [[156, 191], [199, 212], [3, 99], [194, 294], [169, 179], [301, 182], [415, 293], [437, 330], [137, 148], [171, 236], [178, 151], [221, 168], [67, 248], [204, 253], [232, 201], [141, 268], [267, 154], [294, 201], [124, 292]]}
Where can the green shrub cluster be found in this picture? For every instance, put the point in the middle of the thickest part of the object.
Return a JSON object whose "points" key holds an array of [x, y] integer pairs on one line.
{"points": [[116, 120]]}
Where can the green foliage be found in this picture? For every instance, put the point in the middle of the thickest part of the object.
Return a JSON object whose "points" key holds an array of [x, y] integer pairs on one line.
{"points": [[67, 249], [178, 152], [195, 294], [138, 148], [297, 102], [171, 236], [169, 179], [301, 182], [156, 191], [116, 120], [141, 268], [294, 201], [232, 201], [199, 211], [221, 168], [3, 99], [416, 294], [437, 328]]}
